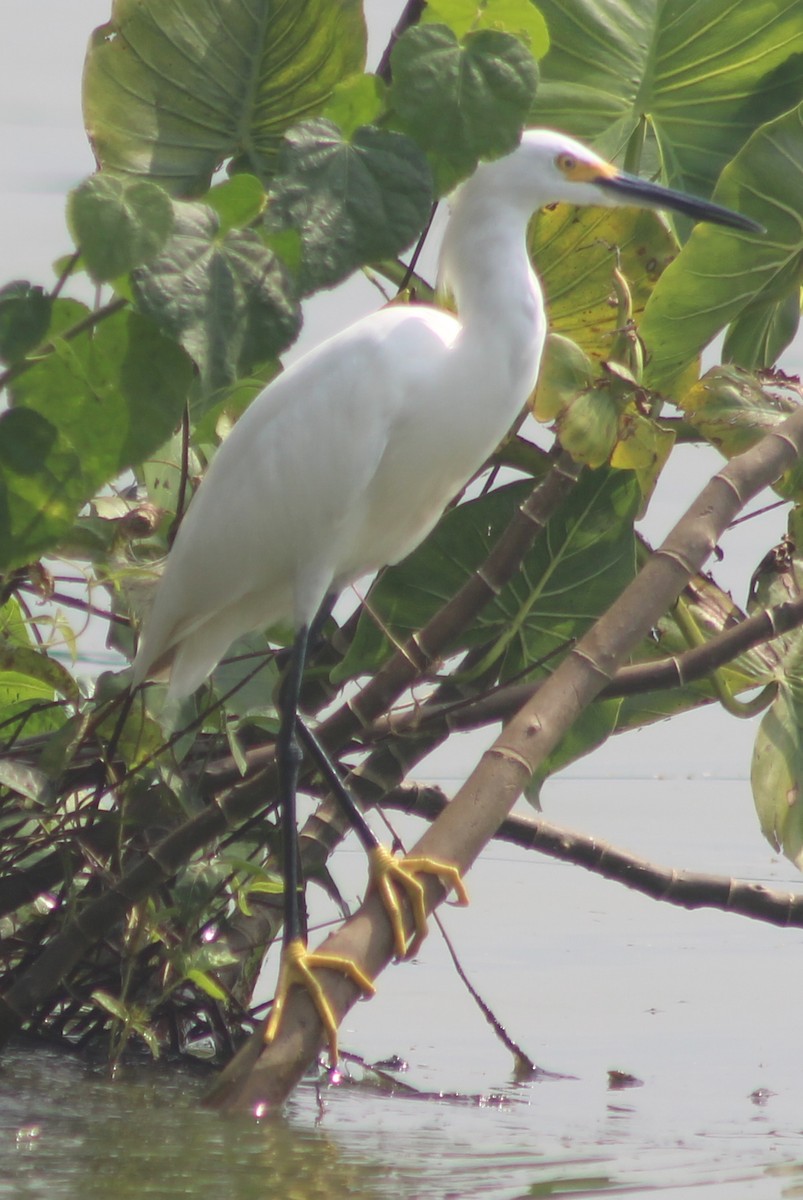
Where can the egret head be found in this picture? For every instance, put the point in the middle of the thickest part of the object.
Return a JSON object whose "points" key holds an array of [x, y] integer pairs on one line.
{"points": [[547, 167]]}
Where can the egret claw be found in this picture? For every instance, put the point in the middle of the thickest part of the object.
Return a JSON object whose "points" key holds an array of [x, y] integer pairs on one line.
{"points": [[296, 970], [387, 873]]}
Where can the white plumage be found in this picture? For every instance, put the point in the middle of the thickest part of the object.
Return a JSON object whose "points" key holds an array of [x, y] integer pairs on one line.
{"points": [[346, 461]]}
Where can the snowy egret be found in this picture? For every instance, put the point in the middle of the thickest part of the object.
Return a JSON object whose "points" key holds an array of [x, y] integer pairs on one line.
{"points": [[346, 461]]}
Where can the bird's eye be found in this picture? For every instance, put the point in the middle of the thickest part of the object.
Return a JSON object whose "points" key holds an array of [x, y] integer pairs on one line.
{"points": [[567, 163]]}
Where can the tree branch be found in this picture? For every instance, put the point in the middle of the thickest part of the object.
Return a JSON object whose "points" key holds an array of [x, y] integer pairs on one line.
{"points": [[685, 889], [632, 680]]}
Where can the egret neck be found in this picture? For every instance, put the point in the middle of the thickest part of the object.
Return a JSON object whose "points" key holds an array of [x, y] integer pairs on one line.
{"points": [[485, 264]]}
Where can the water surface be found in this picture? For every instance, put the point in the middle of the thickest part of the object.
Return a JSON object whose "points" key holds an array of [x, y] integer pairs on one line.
{"points": [[701, 1008]]}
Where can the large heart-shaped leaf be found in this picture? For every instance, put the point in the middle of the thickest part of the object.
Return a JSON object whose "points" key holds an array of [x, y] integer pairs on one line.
{"points": [[226, 298], [172, 88], [118, 224], [85, 412], [461, 101], [703, 73], [719, 274], [352, 201]]}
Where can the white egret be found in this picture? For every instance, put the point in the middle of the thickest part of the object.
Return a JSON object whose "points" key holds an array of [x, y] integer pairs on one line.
{"points": [[346, 461]]}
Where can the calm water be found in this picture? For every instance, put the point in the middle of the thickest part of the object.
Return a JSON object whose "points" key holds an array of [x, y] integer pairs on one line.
{"points": [[702, 1008]]}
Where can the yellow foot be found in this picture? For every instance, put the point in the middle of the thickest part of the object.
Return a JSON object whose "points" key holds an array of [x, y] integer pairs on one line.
{"points": [[387, 873], [296, 970]]}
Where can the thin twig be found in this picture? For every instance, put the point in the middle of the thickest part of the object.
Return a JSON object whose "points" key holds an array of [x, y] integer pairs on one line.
{"points": [[88, 322]]}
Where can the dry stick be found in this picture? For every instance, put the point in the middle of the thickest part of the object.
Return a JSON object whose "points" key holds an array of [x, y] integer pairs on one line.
{"points": [[261, 1077], [228, 809], [685, 889]]}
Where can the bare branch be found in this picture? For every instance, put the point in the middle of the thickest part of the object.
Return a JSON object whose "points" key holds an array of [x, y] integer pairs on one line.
{"points": [[685, 889]]}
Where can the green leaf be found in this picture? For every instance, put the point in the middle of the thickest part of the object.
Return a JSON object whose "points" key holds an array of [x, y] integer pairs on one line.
{"points": [[358, 100], [225, 298], [31, 664], [207, 984], [703, 75], [95, 406], [237, 201], [591, 729], [577, 251], [352, 202], [118, 224], [719, 274], [519, 17], [173, 88], [566, 370], [113, 1006], [29, 684], [25, 312], [588, 426], [461, 101], [576, 567], [734, 409], [643, 447], [253, 689], [763, 330], [776, 772]]}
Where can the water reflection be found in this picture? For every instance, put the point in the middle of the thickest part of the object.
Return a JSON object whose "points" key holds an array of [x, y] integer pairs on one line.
{"points": [[68, 1131]]}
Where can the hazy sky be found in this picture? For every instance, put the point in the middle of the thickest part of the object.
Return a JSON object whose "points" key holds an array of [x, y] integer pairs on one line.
{"points": [[44, 152]]}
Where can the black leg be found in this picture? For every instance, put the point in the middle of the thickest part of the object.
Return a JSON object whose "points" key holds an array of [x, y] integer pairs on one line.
{"points": [[389, 876], [298, 965], [339, 790], [289, 759]]}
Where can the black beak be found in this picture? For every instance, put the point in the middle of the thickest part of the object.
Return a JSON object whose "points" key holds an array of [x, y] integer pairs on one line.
{"points": [[652, 195]]}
